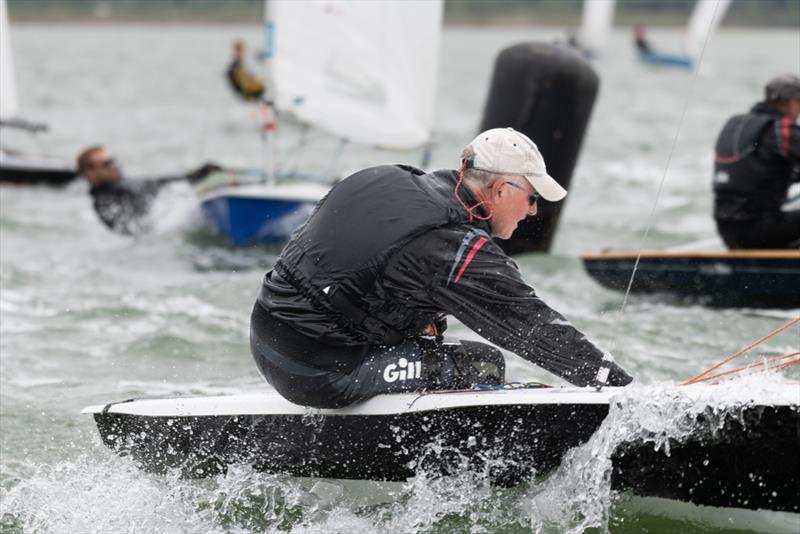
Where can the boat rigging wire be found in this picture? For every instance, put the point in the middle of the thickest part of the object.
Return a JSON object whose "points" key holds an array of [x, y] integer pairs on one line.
{"points": [[703, 376], [651, 218]]}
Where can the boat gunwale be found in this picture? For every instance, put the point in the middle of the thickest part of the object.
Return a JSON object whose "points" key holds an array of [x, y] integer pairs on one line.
{"points": [[269, 403], [699, 254]]}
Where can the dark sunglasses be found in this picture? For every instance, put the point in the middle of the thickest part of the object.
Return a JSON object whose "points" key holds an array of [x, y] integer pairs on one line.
{"points": [[533, 198], [105, 163]]}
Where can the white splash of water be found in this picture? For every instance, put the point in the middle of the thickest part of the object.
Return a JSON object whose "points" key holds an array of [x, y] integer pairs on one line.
{"points": [[578, 495], [82, 496], [99, 493]]}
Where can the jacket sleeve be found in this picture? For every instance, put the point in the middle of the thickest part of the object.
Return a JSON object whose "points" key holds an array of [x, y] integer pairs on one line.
{"points": [[477, 283]]}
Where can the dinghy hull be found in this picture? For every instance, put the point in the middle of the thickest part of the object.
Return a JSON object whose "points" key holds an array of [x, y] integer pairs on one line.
{"points": [[666, 60], [250, 214], [746, 459], [751, 279], [19, 171], [249, 221]]}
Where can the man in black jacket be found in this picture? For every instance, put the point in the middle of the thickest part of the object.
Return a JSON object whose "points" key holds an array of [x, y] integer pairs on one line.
{"points": [[123, 204], [355, 304], [757, 160]]}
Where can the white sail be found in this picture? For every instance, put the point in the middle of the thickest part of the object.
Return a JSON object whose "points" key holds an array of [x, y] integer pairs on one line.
{"points": [[596, 23], [365, 71], [9, 105], [704, 21]]}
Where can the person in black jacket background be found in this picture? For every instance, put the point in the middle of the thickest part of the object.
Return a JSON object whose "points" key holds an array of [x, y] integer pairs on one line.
{"points": [[123, 204], [356, 303], [757, 160]]}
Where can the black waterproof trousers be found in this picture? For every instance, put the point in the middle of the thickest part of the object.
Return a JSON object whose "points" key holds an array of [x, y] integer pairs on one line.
{"points": [[310, 373], [777, 231]]}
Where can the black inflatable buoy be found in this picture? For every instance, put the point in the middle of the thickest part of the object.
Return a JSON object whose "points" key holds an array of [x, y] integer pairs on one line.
{"points": [[547, 92]]}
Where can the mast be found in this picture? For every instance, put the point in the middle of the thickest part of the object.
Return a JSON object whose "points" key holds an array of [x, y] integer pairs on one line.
{"points": [[9, 105], [268, 99]]}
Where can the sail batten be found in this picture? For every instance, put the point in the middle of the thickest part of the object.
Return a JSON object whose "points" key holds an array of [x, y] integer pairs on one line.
{"points": [[365, 71]]}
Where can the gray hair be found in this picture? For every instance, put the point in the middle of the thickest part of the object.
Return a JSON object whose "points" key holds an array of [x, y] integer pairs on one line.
{"points": [[477, 176]]}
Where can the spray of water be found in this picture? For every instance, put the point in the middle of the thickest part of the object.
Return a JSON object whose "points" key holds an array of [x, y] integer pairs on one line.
{"points": [[578, 495], [99, 492]]}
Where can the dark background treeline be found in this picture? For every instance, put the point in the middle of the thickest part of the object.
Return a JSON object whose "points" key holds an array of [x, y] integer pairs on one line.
{"points": [[784, 13]]}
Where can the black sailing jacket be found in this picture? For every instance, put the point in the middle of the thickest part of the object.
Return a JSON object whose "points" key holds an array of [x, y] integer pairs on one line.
{"points": [[756, 161], [124, 205], [390, 249]]}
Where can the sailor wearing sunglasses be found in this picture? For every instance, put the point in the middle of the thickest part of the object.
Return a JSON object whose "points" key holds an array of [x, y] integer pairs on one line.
{"points": [[122, 204], [356, 303]]}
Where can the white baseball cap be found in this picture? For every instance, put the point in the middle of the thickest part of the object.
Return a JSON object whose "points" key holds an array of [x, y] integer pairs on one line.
{"points": [[507, 151]]}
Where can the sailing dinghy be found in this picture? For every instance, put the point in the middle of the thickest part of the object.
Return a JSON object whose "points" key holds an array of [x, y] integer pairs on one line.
{"points": [[724, 278], [703, 23], [15, 167], [347, 68], [741, 451]]}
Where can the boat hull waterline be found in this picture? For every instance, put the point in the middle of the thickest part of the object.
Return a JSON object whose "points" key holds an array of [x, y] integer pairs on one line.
{"points": [[744, 460], [667, 60]]}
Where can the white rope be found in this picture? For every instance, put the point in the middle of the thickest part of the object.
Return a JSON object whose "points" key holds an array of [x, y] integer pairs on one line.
{"points": [[651, 218]]}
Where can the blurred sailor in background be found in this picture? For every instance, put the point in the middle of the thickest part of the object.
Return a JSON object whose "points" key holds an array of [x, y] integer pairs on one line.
{"points": [[640, 40], [243, 83], [757, 160], [123, 204]]}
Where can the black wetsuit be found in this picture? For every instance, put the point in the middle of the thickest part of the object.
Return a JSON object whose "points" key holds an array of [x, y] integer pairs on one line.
{"points": [[123, 205], [387, 252], [757, 159]]}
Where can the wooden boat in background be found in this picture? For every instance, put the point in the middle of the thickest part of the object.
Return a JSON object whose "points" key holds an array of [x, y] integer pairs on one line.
{"points": [[731, 278]]}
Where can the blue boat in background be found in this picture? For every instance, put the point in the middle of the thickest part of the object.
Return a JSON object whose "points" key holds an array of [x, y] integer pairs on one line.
{"points": [[669, 60], [247, 210], [703, 22]]}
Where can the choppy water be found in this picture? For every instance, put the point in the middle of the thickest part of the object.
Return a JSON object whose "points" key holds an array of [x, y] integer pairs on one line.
{"points": [[87, 316]]}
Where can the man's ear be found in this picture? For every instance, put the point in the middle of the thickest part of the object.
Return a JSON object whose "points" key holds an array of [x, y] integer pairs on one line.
{"points": [[497, 188]]}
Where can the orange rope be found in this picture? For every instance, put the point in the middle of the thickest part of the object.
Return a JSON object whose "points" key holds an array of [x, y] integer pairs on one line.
{"points": [[771, 367], [742, 351], [787, 364], [755, 364]]}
